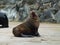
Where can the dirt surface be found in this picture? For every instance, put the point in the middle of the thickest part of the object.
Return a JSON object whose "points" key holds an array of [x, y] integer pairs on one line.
{"points": [[50, 35]]}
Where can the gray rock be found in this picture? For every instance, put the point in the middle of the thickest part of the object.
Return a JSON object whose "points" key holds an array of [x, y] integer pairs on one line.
{"points": [[57, 16], [44, 1]]}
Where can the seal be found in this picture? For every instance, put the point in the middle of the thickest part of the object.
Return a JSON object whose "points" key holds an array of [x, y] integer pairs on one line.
{"points": [[28, 28]]}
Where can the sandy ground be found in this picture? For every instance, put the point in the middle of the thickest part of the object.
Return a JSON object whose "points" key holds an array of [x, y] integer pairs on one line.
{"points": [[50, 35]]}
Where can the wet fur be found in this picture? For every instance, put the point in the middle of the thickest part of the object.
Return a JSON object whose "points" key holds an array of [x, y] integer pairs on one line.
{"points": [[28, 28]]}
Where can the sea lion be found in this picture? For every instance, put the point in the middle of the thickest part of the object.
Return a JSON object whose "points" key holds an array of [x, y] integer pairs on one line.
{"points": [[3, 20], [28, 28]]}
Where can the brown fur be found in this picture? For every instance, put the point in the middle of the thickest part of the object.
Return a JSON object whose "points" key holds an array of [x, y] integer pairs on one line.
{"points": [[28, 28]]}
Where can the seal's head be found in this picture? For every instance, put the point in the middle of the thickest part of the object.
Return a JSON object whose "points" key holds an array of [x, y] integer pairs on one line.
{"points": [[33, 15]]}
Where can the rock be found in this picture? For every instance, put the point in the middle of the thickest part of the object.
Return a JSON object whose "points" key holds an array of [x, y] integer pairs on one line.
{"points": [[57, 16]]}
